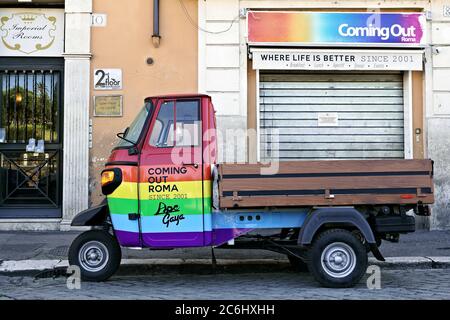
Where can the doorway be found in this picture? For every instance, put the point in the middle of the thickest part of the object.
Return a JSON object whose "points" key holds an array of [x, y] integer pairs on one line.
{"points": [[31, 137]]}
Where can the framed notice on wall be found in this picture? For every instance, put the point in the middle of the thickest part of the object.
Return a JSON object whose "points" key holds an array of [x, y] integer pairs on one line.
{"points": [[108, 106]]}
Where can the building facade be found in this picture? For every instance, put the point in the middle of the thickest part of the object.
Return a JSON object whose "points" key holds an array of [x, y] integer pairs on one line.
{"points": [[89, 67], [294, 80], [309, 73], [45, 59]]}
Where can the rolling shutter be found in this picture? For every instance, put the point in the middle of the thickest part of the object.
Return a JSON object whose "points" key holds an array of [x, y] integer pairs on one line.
{"points": [[369, 109]]}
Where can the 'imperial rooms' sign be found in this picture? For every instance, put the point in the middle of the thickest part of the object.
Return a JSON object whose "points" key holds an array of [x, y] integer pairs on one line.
{"points": [[336, 28], [317, 59], [31, 32]]}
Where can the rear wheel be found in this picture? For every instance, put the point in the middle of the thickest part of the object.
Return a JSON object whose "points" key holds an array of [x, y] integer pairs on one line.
{"points": [[337, 258], [97, 253]]}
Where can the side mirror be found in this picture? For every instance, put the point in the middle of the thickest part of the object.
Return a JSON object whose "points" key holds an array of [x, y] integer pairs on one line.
{"points": [[133, 151]]}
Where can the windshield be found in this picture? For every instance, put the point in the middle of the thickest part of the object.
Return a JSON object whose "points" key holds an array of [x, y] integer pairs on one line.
{"points": [[136, 126]]}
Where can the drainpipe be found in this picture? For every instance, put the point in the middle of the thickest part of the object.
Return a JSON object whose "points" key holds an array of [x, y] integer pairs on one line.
{"points": [[156, 37]]}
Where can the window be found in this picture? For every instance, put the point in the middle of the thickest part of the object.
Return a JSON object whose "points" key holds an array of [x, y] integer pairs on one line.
{"points": [[134, 130], [186, 132], [187, 123], [161, 134]]}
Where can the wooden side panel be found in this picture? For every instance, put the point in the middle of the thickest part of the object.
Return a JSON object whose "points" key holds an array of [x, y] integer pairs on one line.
{"points": [[324, 183], [331, 166], [312, 183]]}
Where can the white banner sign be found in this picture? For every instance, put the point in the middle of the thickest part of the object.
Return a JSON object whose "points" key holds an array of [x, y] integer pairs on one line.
{"points": [[274, 59], [32, 32]]}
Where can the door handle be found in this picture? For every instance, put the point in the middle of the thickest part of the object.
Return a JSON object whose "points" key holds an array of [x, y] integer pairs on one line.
{"points": [[133, 216], [195, 165]]}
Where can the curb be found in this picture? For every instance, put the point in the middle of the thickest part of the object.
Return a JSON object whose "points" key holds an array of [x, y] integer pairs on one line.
{"points": [[52, 268]]}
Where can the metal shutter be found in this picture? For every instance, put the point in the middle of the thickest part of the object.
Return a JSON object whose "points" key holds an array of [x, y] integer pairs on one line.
{"points": [[369, 108]]}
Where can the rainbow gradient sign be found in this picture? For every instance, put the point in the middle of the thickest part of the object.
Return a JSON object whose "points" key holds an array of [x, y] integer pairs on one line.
{"points": [[336, 28]]}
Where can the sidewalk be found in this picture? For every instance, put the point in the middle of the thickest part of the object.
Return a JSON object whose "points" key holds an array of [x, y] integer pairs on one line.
{"points": [[21, 251]]}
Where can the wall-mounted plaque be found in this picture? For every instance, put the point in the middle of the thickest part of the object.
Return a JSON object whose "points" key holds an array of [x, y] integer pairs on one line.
{"points": [[108, 106], [327, 119]]}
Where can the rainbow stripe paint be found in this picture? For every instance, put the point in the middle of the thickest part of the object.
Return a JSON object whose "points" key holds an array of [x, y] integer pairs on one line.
{"points": [[175, 208], [321, 28]]}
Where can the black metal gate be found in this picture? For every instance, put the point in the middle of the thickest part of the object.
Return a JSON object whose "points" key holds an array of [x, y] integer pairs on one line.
{"points": [[31, 137]]}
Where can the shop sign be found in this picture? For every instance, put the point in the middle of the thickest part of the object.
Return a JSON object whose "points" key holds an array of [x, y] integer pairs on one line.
{"points": [[31, 32], [299, 59], [336, 28], [108, 79]]}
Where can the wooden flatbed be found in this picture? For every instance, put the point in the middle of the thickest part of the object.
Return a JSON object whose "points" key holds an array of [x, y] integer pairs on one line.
{"points": [[327, 183]]}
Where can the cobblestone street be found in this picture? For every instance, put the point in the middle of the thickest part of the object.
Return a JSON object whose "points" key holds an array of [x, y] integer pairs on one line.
{"points": [[395, 284]]}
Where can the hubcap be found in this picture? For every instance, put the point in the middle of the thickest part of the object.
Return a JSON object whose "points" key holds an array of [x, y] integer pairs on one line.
{"points": [[338, 260], [93, 256]]}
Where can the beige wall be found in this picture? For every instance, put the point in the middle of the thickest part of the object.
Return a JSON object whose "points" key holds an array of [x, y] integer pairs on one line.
{"points": [[126, 43]]}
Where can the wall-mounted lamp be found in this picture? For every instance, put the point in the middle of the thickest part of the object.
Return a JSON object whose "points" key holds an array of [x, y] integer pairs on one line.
{"points": [[156, 37]]}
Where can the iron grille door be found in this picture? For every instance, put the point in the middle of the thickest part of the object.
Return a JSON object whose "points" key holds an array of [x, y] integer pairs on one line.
{"points": [[30, 108]]}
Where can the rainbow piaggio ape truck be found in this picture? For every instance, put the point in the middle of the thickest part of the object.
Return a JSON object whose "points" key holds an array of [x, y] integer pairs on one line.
{"points": [[166, 191]]}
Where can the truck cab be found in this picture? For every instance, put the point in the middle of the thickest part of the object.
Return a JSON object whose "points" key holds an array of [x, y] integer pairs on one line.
{"points": [[164, 190], [164, 199]]}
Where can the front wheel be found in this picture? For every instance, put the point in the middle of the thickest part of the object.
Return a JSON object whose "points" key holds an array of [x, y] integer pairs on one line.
{"points": [[97, 253], [337, 259]]}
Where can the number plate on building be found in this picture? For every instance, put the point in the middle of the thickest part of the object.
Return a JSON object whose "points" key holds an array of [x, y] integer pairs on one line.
{"points": [[446, 11]]}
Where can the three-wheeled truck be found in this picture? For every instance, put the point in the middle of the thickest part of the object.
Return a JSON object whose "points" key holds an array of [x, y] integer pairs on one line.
{"points": [[164, 190]]}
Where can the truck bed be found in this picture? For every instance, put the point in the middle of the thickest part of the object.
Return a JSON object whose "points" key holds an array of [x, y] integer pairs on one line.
{"points": [[327, 183]]}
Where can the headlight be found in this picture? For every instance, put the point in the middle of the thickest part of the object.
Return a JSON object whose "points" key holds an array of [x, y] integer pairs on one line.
{"points": [[107, 177], [111, 179]]}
